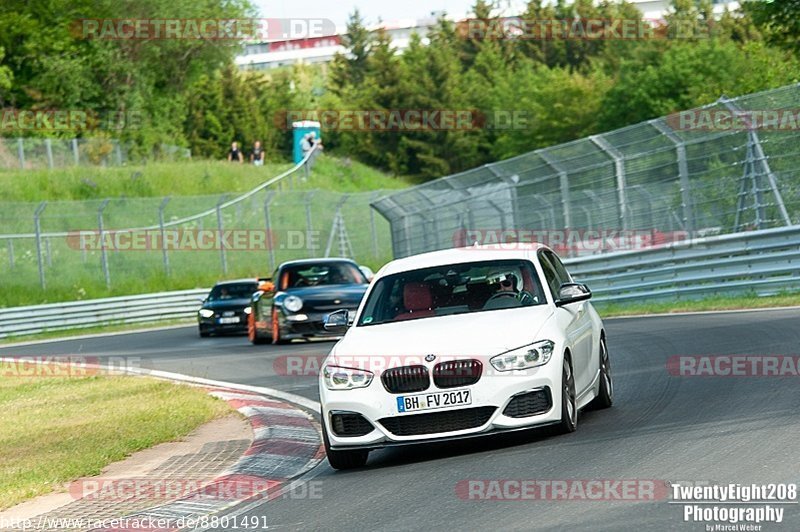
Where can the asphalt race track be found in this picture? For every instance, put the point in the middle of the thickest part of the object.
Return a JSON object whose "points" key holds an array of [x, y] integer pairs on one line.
{"points": [[663, 427]]}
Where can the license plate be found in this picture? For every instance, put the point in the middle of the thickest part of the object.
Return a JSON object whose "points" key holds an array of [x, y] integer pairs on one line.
{"points": [[432, 401], [226, 321]]}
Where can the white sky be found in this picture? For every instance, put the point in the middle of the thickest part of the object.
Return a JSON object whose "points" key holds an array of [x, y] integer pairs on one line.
{"points": [[371, 10]]}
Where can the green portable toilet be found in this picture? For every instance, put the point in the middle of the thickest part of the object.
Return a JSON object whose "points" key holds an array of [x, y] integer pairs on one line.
{"points": [[301, 129]]}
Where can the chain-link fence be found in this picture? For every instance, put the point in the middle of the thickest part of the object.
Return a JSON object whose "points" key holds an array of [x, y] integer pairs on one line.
{"points": [[87, 248], [41, 153], [727, 167]]}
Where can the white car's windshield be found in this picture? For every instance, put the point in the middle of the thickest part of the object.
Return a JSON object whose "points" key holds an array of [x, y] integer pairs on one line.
{"points": [[452, 289]]}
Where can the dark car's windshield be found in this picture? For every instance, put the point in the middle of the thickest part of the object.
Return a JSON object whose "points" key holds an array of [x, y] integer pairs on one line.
{"points": [[222, 292], [452, 289], [320, 274]]}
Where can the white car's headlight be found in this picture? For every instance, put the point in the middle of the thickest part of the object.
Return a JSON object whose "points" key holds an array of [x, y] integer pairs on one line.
{"points": [[338, 378], [292, 303], [206, 313], [529, 356], [248, 310]]}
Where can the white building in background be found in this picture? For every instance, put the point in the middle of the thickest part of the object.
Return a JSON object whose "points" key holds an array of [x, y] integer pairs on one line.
{"points": [[280, 53], [321, 49], [655, 9]]}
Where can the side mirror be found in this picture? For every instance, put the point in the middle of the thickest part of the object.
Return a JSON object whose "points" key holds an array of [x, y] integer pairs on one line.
{"points": [[368, 273], [337, 322], [266, 286], [572, 293]]}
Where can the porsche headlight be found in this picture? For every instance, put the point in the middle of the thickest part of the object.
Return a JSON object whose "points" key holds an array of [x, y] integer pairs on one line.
{"points": [[206, 313], [338, 378], [248, 310], [529, 356], [292, 303]]}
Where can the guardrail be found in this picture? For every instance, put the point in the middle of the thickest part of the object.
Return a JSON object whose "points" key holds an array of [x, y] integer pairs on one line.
{"points": [[144, 308], [758, 262]]}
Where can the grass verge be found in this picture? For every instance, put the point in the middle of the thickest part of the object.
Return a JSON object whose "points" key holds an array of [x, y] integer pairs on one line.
{"points": [[610, 310], [301, 223], [187, 178], [54, 430]]}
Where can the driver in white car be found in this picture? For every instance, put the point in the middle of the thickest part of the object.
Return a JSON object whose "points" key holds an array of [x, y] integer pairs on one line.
{"points": [[508, 291]]}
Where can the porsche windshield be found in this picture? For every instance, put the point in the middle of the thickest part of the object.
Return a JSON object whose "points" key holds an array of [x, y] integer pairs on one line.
{"points": [[320, 274], [452, 289]]}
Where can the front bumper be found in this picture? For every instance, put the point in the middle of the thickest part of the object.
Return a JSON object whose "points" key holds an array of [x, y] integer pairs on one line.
{"points": [[212, 325], [495, 390], [312, 327]]}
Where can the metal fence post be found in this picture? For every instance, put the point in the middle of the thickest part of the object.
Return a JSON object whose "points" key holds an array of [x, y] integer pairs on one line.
{"points": [[21, 153], [550, 209], [758, 155], [75, 153], [164, 255], [10, 254], [373, 229], [309, 228], [643, 191], [563, 181], [683, 175], [337, 228], [48, 145], [103, 251], [268, 223], [38, 228], [619, 169], [222, 255], [588, 215]]}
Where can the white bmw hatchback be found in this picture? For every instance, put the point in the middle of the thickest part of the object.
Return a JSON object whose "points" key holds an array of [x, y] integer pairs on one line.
{"points": [[461, 343]]}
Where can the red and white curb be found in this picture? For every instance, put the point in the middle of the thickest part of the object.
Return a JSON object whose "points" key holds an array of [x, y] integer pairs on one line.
{"points": [[285, 445]]}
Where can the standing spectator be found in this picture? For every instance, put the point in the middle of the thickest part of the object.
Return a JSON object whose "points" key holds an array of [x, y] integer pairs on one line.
{"points": [[235, 155], [306, 144], [257, 157]]}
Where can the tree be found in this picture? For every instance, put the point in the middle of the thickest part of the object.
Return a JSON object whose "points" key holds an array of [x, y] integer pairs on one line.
{"points": [[778, 19], [349, 69], [5, 76], [690, 74]]}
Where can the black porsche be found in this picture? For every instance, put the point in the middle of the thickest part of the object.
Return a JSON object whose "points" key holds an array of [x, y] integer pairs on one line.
{"points": [[226, 307], [293, 304]]}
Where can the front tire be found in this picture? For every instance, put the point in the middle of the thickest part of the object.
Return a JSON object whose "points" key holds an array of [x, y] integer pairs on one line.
{"points": [[252, 331], [569, 407], [343, 459], [204, 334], [605, 396], [276, 329]]}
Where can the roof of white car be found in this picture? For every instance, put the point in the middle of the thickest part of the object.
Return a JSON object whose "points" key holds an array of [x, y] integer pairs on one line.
{"points": [[476, 253]]}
